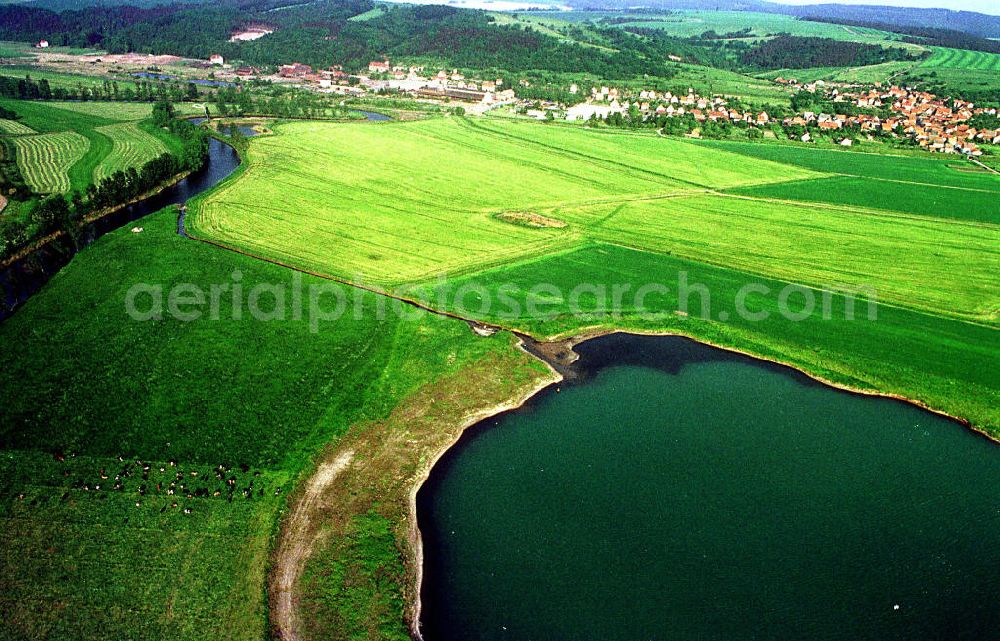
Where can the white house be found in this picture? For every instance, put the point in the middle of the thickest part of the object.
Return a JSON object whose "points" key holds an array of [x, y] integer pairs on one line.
{"points": [[216, 59], [42, 44]]}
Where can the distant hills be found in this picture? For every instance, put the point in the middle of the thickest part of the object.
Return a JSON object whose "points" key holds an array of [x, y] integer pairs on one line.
{"points": [[979, 24]]}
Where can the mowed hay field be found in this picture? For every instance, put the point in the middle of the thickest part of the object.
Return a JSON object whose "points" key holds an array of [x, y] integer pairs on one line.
{"points": [[45, 160], [81, 143], [133, 147], [402, 203], [14, 127], [962, 59], [399, 202]]}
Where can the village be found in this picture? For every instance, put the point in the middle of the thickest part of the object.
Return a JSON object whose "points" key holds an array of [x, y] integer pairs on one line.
{"points": [[933, 123], [936, 124]]}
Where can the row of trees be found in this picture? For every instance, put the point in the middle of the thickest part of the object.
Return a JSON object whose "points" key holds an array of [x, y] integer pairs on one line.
{"points": [[28, 88]]}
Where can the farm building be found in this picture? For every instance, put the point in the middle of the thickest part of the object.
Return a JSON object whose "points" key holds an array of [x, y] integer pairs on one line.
{"points": [[216, 59]]}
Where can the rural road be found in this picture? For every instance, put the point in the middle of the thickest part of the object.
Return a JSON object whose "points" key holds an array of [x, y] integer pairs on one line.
{"points": [[297, 539]]}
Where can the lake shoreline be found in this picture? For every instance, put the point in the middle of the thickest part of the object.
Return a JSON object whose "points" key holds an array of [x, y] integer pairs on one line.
{"points": [[477, 416], [558, 356]]}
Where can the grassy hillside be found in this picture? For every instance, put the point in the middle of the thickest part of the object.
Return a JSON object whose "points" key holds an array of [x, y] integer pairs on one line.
{"points": [[86, 383], [686, 24]]}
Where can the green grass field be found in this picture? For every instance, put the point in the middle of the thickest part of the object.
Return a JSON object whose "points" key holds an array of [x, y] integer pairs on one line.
{"points": [[313, 185], [710, 81], [85, 381], [389, 227], [354, 202], [869, 74]]}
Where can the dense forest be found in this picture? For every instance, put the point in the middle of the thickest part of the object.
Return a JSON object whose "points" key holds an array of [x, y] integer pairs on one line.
{"points": [[321, 34], [795, 52], [928, 36]]}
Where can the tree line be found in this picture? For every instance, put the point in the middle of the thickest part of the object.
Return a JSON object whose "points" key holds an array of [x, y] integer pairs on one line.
{"points": [[28, 88]]}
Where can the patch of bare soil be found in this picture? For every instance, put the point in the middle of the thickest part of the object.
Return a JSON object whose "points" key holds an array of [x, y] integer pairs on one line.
{"points": [[530, 219], [298, 535]]}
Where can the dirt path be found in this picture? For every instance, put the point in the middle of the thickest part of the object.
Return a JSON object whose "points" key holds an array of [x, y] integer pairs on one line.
{"points": [[298, 537], [984, 166]]}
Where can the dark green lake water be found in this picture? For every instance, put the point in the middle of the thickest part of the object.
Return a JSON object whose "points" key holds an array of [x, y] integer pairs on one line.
{"points": [[676, 491]]}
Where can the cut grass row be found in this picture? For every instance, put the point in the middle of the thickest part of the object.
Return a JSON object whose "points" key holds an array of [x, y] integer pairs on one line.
{"points": [[962, 59], [45, 160], [133, 147], [15, 128]]}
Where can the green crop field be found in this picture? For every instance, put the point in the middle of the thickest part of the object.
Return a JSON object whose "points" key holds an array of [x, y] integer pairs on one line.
{"points": [[962, 59], [183, 397], [45, 160], [314, 186], [133, 147]]}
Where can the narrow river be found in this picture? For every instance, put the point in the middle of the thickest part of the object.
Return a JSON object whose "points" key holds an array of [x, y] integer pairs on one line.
{"points": [[675, 491]]}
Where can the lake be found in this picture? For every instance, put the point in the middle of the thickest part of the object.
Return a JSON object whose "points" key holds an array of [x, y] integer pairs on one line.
{"points": [[674, 491]]}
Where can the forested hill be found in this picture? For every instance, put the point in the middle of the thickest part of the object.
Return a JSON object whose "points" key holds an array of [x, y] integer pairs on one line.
{"points": [[321, 34]]}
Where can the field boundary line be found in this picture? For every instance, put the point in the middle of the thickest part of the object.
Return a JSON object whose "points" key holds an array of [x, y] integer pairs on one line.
{"points": [[894, 305]]}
